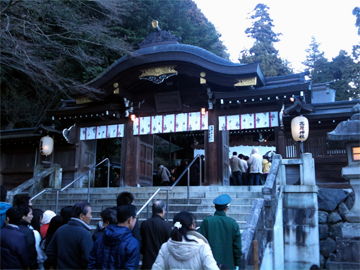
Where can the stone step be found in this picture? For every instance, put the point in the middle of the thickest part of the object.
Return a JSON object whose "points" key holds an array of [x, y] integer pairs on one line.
{"points": [[135, 190], [138, 202], [201, 200], [146, 195], [241, 223], [239, 209]]}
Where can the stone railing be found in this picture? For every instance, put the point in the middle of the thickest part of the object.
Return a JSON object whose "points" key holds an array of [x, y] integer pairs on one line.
{"points": [[262, 217], [282, 229], [36, 183]]}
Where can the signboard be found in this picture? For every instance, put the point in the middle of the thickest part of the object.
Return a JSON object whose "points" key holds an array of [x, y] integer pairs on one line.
{"points": [[211, 133]]}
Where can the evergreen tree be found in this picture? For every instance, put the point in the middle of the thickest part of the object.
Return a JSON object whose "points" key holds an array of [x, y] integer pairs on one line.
{"points": [[346, 75], [356, 48], [263, 50], [181, 18], [343, 71], [313, 55], [317, 64]]}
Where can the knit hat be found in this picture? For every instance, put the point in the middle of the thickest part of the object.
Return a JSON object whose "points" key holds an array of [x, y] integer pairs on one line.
{"points": [[47, 216]]}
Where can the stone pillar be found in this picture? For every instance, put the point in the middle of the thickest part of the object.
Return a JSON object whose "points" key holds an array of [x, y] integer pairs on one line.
{"points": [[352, 173], [55, 178], [300, 220]]}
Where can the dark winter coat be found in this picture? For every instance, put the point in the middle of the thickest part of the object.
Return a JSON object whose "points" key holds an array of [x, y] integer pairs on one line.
{"points": [[116, 249], [223, 235], [136, 232], [99, 231], [70, 246], [30, 239], [154, 232], [14, 254]]}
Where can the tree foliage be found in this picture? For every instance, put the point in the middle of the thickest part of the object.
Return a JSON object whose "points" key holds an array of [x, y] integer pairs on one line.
{"points": [[263, 50], [356, 48], [343, 71], [51, 48], [181, 18]]}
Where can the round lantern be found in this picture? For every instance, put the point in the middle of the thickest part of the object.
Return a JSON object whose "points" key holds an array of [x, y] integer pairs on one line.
{"points": [[300, 128], [46, 145]]}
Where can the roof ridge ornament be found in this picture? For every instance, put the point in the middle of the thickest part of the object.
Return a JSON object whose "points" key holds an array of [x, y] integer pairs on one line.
{"points": [[160, 37]]}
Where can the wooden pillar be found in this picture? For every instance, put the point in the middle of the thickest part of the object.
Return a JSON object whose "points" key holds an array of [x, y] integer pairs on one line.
{"points": [[129, 157], [211, 150], [280, 142]]}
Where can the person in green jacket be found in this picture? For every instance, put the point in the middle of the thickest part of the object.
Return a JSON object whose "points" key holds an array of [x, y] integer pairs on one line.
{"points": [[223, 234]]}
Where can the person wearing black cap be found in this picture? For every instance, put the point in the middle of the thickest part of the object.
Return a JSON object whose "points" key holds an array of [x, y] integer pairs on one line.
{"points": [[223, 234]]}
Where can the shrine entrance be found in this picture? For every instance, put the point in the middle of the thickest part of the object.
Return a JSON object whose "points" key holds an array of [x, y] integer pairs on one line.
{"points": [[175, 151], [111, 149]]}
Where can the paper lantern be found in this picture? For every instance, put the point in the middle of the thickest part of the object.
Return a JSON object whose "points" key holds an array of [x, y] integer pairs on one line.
{"points": [[46, 145], [300, 128]]}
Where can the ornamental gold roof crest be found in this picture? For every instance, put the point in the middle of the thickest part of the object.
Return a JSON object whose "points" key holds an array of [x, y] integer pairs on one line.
{"points": [[158, 74]]}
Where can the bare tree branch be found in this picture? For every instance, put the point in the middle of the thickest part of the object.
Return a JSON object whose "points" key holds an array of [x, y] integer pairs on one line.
{"points": [[11, 3]]}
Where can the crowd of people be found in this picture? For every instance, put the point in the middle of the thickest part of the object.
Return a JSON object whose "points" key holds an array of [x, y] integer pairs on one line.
{"points": [[36, 239], [251, 170]]}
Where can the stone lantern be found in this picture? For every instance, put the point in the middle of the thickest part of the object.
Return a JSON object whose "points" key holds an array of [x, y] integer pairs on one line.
{"points": [[348, 133]]}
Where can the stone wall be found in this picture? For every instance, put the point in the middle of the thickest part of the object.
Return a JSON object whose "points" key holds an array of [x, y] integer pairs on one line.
{"points": [[333, 205]]}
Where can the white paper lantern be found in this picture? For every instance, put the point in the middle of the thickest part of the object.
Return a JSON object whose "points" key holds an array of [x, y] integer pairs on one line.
{"points": [[300, 128], [46, 145]]}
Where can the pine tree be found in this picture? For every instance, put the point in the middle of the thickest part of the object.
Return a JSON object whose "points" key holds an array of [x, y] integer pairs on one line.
{"points": [[346, 75], [263, 50], [313, 54], [317, 64]]}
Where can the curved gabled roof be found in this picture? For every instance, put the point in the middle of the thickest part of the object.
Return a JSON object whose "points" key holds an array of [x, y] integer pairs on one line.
{"points": [[177, 53]]}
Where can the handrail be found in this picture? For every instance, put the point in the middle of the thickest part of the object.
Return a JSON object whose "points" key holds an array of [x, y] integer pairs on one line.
{"points": [[82, 175], [263, 213], [187, 169], [93, 167], [31, 182]]}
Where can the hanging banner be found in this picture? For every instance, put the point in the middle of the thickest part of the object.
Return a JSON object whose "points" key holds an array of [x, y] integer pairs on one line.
{"points": [[101, 132], [249, 121]]}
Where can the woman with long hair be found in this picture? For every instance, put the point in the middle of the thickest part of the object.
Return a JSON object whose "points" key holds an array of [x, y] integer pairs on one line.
{"points": [[37, 219], [186, 249], [55, 223], [35, 223]]}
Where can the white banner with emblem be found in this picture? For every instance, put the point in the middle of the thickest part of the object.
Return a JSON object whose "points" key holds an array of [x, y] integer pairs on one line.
{"points": [[249, 121]]}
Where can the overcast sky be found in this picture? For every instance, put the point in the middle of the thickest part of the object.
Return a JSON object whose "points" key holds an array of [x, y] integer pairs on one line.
{"points": [[330, 22]]}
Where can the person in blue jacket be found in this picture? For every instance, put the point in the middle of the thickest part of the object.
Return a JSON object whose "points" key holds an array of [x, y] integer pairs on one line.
{"points": [[117, 248], [4, 206]]}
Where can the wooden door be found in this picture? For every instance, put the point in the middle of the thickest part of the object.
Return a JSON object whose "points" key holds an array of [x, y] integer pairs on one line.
{"points": [[146, 157], [87, 160], [224, 155]]}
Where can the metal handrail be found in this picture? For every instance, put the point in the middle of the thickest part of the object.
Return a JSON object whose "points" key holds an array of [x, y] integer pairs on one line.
{"points": [[187, 169], [60, 190]]}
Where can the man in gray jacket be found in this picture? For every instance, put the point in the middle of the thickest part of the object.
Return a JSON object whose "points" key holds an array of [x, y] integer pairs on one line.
{"points": [[236, 169], [71, 244]]}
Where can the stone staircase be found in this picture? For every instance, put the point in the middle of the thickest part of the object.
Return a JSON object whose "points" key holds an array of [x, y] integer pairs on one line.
{"points": [[201, 200]]}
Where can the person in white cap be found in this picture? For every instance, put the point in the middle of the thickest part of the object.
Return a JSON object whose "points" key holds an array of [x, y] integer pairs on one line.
{"points": [[223, 234], [47, 216]]}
